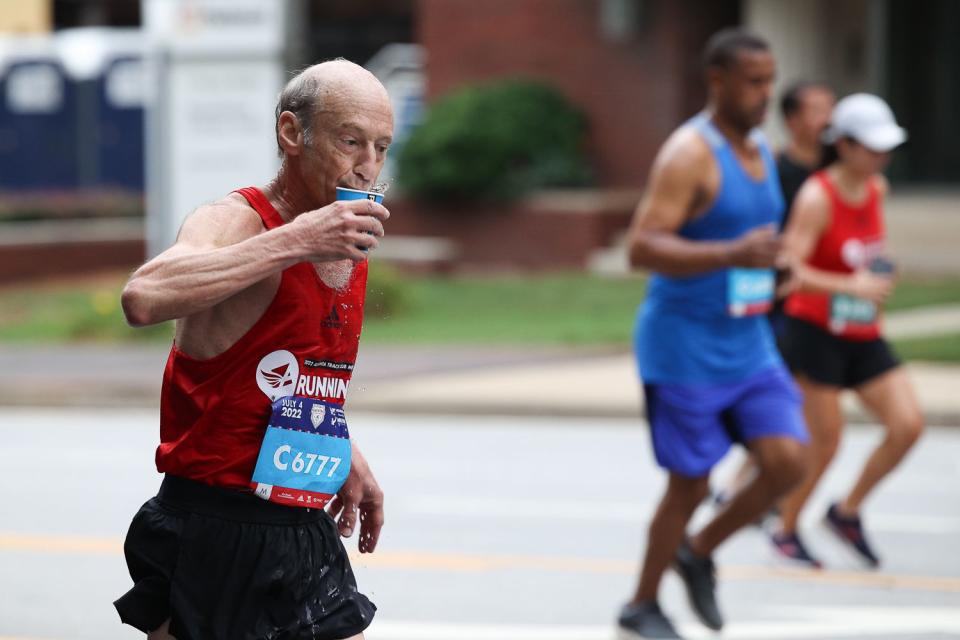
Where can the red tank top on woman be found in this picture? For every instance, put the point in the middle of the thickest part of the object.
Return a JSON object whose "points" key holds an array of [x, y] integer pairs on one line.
{"points": [[853, 240], [213, 413]]}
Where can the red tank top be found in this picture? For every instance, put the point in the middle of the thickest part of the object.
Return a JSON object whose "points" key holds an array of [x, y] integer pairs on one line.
{"points": [[213, 413], [853, 239]]}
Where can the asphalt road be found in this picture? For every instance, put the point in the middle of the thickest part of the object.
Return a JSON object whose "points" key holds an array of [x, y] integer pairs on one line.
{"points": [[497, 528]]}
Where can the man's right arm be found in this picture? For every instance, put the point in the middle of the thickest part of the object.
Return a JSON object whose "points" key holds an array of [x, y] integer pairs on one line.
{"points": [[222, 249], [674, 192]]}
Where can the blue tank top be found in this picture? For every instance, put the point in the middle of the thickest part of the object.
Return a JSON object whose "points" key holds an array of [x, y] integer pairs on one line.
{"points": [[711, 327]]}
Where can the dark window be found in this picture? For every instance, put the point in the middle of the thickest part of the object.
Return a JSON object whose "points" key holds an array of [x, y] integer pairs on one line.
{"points": [[923, 88]]}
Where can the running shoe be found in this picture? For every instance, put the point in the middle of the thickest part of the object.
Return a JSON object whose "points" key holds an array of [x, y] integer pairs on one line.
{"points": [[790, 546], [850, 530], [700, 578], [645, 620]]}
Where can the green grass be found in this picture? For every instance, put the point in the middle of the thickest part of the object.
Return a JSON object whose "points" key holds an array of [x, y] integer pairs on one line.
{"points": [[945, 348], [910, 294], [573, 309], [88, 312], [559, 309]]}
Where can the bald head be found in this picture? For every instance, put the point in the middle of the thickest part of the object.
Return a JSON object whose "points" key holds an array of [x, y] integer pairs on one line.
{"points": [[330, 89]]}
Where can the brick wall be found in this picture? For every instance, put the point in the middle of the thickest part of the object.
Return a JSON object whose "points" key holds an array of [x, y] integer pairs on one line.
{"points": [[20, 263], [634, 92]]}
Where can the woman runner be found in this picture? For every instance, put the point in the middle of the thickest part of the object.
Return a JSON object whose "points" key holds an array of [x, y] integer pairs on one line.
{"points": [[833, 337]]}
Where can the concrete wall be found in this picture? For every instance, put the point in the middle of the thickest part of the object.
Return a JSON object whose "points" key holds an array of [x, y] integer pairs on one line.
{"points": [[840, 43]]}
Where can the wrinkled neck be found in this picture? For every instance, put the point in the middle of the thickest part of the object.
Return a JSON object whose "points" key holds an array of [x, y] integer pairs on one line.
{"points": [[288, 193]]}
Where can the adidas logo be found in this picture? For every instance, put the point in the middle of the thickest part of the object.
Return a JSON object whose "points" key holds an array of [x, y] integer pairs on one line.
{"points": [[332, 321]]}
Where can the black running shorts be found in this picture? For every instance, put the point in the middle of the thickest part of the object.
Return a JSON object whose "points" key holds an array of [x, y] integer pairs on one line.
{"points": [[831, 360], [225, 565]]}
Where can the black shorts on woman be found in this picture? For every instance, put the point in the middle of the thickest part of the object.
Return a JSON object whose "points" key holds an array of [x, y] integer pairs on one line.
{"points": [[827, 359]]}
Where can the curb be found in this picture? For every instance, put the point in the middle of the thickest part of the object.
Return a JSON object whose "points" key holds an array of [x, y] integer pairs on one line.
{"points": [[148, 399]]}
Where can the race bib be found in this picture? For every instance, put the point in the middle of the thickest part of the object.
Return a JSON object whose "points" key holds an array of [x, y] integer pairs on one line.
{"points": [[305, 455], [749, 292], [847, 311]]}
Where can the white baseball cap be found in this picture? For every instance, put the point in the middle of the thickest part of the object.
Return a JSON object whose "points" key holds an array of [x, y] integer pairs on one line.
{"points": [[867, 119]]}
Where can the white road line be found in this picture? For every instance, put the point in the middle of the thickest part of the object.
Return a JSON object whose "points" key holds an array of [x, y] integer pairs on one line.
{"points": [[501, 507], [450, 631], [801, 622], [892, 523]]}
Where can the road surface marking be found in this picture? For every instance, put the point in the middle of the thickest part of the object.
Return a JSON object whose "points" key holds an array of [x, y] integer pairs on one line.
{"points": [[466, 562], [790, 623]]}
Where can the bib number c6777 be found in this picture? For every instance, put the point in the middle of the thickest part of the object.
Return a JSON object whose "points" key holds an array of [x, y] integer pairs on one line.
{"points": [[305, 455], [848, 312], [749, 291]]}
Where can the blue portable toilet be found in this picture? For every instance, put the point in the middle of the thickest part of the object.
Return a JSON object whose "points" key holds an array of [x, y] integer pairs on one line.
{"points": [[106, 68], [121, 124], [37, 123]]}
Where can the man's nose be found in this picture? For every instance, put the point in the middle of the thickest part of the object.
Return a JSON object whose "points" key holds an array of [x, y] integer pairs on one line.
{"points": [[366, 165]]}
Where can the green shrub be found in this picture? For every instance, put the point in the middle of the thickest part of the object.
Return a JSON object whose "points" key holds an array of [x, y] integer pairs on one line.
{"points": [[497, 140], [386, 292]]}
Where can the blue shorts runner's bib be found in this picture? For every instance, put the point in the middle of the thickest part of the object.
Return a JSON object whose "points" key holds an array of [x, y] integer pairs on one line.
{"points": [[749, 292], [305, 455]]}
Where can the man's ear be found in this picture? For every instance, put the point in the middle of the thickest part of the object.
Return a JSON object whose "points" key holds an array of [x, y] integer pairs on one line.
{"points": [[289, 134]]}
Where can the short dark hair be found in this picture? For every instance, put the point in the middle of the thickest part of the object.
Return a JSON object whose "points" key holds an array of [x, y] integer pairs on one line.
{"points": [[723, 46], [792, 97]]}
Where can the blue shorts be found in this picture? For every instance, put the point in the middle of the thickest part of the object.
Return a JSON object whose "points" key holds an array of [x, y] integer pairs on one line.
{"points": [[693, 426]]}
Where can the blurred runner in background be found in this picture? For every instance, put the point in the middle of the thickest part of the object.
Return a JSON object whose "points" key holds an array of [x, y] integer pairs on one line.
{"points": [[805, 108], [832, 339], [707, 228]]}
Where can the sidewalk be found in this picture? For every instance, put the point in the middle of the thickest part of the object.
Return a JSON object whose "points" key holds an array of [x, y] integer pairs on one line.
{"points": [[586, 386], [606, 384]]}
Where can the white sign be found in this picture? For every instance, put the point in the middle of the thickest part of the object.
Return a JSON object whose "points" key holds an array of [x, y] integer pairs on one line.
{"points": [[217, 26], [216, 69]]}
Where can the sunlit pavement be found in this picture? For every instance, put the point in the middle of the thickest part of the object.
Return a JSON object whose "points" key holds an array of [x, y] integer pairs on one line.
{"points": [[497, 528]]}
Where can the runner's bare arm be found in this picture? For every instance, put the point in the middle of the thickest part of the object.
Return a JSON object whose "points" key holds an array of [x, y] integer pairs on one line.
{"points": [[222, 249], [808, 221], [674, 194]]}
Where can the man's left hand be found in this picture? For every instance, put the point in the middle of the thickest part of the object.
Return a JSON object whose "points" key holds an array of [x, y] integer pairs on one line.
{"points": [[359, 493]]}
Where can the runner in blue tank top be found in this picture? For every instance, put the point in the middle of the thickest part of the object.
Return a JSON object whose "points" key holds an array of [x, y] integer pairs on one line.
{"points": [[712, 375]]}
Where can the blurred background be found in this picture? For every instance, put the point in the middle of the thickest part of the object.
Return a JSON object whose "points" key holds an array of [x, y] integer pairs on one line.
{"points": [[117, 118], [500, 303]]}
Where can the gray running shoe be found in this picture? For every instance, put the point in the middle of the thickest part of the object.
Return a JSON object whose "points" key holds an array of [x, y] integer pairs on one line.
{"points": [[700, 578], [789, 545], [645, 620]]}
